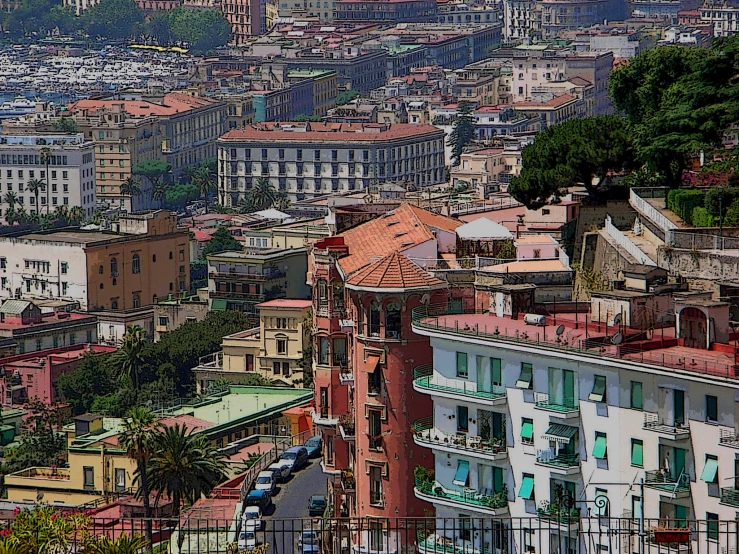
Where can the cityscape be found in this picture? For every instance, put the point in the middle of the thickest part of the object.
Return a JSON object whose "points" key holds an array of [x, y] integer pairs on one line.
{"points": [[369, 277]]}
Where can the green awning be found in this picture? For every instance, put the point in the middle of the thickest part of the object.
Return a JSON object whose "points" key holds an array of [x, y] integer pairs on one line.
{"points": [[463, 472], [599, 389], [218, 305], [526, 490], [560, 433], [524, 380], [710, 471], [527, 430], [637, 453], [600, 448]]}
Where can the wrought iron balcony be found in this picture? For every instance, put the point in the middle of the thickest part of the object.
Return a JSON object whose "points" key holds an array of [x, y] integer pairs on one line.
{"points": [[425, 434], [663, 480], [487, 501], [426, 382], [674, 431], [567, 407]]}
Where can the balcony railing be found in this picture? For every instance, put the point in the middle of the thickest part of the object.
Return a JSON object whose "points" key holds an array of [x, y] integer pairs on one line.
{"points": [[472, 497], [561, 460], [730, 496], [425, 432], [424, 378], [729, 437], [652, 422], [246, 275], [543, 401], [554, 513], [348, 481], [663, 480]]}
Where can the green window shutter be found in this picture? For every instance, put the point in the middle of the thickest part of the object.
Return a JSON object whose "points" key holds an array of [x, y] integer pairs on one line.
{"points": [[637, 400], [600, 449], [710, 471], [527, 429], [599, 389], [495, 371], [463, 473], [461, 364], [637, 452], [526, 490], [524, 379]]}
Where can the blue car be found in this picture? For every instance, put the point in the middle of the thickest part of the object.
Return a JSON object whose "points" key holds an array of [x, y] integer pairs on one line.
{"points": [[259, 498], [313, 445]]}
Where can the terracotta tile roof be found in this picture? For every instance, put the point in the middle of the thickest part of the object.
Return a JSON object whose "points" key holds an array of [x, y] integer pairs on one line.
{"points": [[172, 104], [286, 303], [394, 271], [396, 231], [330, 132], [553, 103], [191, 422]]}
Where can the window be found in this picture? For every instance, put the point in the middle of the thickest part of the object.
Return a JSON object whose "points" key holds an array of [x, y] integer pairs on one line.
{"points": [[710, 470], [599, 389], [462, 365], [154, 258], [136, 301], [120, 479], [113, 267], [375, 429], [462, 477], [64, 266], [528, 541], [601, 504], [374, 319], [526, 378], [101, 270], [114, 305], [64, 288], [323, 350], [711, 409], [276, 368], [637, 400], [712, 526], [163, 321], [637, 452], [526, 490], [376, 535], [88, 478], [600, 448], [136, 263], [282, 346], [466, 527], [392, 321], [463, 416], [73, 338], [3, 263], [38, 347], [286, 373], [527, 430]]}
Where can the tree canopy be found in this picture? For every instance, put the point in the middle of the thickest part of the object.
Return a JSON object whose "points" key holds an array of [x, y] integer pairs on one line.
{"points": [[113, 19], [346, 96], [578, 151], [221, 241], [201, 30], [39, 16], [152, 170], [462, 131]]}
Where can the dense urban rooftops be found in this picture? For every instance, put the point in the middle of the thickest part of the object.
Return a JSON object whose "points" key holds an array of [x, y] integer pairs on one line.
{"points": [[329, 132]]}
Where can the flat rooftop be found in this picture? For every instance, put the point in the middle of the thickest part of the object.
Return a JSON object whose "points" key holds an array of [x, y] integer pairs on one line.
{"points": [[73, 237]]}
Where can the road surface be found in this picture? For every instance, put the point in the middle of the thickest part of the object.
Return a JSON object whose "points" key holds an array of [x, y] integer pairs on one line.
{"points": [[283, 527]]}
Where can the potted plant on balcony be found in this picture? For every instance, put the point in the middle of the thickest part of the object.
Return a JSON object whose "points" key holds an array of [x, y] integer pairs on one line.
{"points": [[424, 478], [664, 534]]}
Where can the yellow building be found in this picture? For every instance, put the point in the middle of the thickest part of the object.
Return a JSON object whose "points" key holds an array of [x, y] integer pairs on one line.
{"points": [[324, 87], [273, 350], [298, 234]]}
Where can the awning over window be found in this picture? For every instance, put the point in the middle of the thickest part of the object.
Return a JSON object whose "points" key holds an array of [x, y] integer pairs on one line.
{"points": [[599, 389], [710, 471], [372, 361], [218, 305], [560, 433], [463, 471], [527, 430], [524, 380], [600, 448], [526, 491]]}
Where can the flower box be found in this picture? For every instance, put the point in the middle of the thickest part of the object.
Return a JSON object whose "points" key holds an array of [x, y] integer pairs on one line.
{"points": [[671, 535]]}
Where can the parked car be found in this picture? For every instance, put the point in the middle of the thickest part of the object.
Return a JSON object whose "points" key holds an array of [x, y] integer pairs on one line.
{"points": [[313, 445], [296, 457], [317, 505], [259, 498], [247, 540], [309, 542], [252, 519], [281, 470], [266, 481]]}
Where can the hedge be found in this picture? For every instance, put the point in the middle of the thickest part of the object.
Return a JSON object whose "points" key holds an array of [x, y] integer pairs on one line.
{"points": [[701, 217], [684, 201]]}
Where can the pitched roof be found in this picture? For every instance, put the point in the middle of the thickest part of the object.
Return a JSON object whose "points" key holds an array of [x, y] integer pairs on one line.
{"points": [[482, 229], [396, 231], [395, 272], [14, 306], [434, 220]]}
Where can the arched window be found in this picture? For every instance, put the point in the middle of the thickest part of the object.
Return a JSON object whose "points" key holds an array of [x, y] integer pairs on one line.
{"points": [[136, 301], [114, 305], [136, 262], [392, 321], [374, 319], [113, 267]]}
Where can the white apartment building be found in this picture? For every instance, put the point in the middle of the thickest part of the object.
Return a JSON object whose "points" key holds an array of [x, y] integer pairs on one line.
{"points": [[722, 15], [80, 6], [532, 424], [521, 19], [309, 159], [71, 168]]}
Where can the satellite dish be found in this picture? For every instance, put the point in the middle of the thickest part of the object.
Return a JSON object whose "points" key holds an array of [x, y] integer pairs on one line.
{"points": [[617, 339], [617, 319], [560, 329]]}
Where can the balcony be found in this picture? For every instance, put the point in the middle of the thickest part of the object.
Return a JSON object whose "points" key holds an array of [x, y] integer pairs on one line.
{"points": [[564, 464], [346, 428], [493, 449], [437, 544], [729, 437], [566, 409], [323, 418], [246, 295], [348, 481], [247, 276], [665, 482], [730, 496], [671, 431], [552, 513], [487, 502], [425, 382]]}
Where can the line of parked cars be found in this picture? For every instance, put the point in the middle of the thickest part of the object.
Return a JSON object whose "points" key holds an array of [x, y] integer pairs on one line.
{"points": [[259, 498]]}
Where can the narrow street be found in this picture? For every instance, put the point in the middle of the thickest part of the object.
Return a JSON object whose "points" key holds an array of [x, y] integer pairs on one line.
{"points": [[290, 518]]}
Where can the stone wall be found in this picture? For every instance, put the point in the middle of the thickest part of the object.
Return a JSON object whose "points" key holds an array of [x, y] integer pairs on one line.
{"points": [[592, 218]]}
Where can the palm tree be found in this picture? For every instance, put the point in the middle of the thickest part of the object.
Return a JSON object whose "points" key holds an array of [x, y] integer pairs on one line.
{"points": [[184, 466], [11, 199], [188, 173], [46, 221], [124, 544], [45, 154], [263, 194], [76, 215], [203, 180], [130, 187], [283, 201], [160, 191], [62, 214], [35, 186], [137, 439], [21, 216], [129, 357]]}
